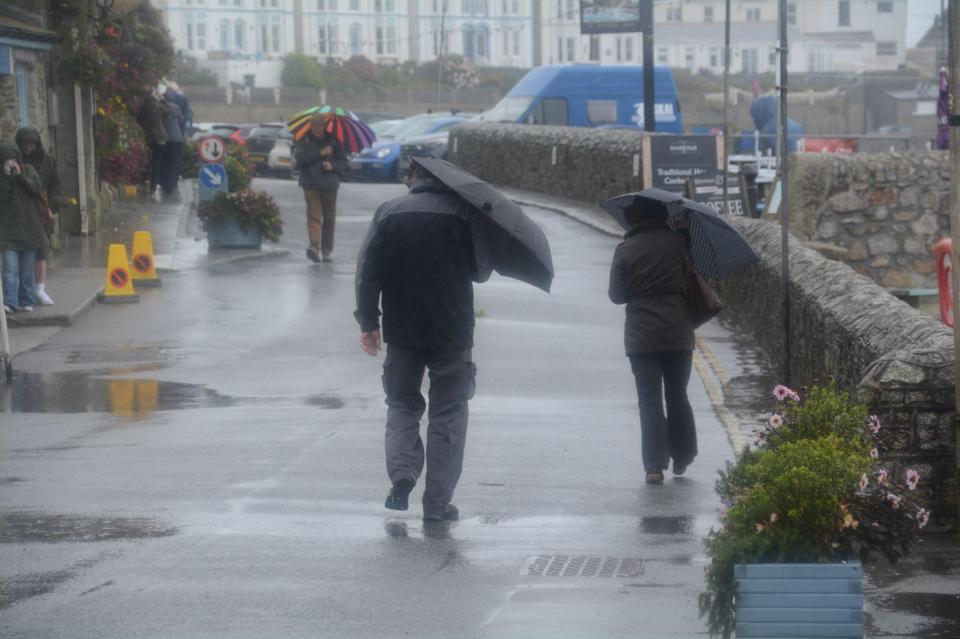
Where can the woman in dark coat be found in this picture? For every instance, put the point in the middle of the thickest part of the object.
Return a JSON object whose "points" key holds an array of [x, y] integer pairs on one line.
{"points": [[21, 233], [31, 147], [647, 276]]}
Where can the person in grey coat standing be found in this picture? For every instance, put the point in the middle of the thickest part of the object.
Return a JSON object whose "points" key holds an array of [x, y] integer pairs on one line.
{"points": [[174, 123], [647, 275], [418, 256], [150, 117], [322, 163]]}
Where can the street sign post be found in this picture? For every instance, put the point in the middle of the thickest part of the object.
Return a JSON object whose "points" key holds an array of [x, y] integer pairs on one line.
{"points": [[212, 149], [212, 180]]}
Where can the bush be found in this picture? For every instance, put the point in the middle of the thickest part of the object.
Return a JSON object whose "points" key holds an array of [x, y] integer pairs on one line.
{"points": [[238, 167], [248, 208], [300, 70], [812, 491]]}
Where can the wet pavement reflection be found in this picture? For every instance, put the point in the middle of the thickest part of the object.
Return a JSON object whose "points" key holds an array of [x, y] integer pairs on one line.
{"points": [[18, 527]]}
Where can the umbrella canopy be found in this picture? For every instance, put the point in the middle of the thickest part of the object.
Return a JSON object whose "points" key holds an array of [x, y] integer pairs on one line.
{"points": [[717, 248], [344, 125], [505, 239]]}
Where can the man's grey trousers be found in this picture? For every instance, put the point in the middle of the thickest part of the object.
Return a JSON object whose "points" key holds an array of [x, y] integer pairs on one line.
{"points": [[452, 384]]}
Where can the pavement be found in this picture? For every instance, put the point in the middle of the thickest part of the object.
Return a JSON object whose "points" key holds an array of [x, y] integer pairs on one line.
{"points": [[239, 489], [77, 271]]}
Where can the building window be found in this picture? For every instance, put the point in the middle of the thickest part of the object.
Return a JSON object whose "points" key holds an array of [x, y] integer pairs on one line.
{"points": [[24, 89], [750, 61], [264, 40], [708, 14], [322, 5], [516, 42], [276, 38], [884, 7], [753, 14], [714, 57], [674, 14], [355, 40], [239, 34], [843, 13], [559, 49], [506, 42], [628, 48], [327, 42], [571, 49], [662, 55], [886, 48], [273, 3], [386, 38], [619, 49], [772, 57], [201, 36], [791, 13], [237, 3], [571, 9], [691, 57], [190, 36], [595, 48], [224, 35]]}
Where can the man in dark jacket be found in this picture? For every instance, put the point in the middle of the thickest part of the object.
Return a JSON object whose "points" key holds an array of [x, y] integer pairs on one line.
{"points": [[150, 118], [21, 233], [418, 255], [320, 158], [31, 146], [647, 275], [177, 97], [174, 123]]}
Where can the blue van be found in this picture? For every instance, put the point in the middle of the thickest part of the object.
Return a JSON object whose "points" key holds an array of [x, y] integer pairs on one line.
{"points": [[588, 96]]}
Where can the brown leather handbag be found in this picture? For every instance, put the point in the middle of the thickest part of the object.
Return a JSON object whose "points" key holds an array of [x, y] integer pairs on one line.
{"points": [[703, 303], [43, 209]]}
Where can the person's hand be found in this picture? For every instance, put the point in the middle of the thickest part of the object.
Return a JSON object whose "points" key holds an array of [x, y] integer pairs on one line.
{"points": [[370, 342], [327, 166], [11, 167]]}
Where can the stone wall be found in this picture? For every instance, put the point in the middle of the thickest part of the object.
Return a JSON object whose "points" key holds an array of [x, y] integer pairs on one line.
{"points": [[583, 164], [885, 210], [845, 328]]}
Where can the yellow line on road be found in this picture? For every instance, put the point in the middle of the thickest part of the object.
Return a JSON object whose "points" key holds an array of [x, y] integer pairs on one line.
{"points": [[714, 378]]}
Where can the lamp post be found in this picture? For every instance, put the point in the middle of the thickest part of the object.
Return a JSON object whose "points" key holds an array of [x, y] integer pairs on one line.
{"points": [[783, 161]]}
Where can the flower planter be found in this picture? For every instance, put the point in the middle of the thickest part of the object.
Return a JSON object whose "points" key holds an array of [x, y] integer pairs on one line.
{"points": [[228, 234], [799, 600]]}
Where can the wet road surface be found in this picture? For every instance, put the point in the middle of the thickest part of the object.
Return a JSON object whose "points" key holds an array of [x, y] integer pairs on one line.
{"points": [[209, 463]]}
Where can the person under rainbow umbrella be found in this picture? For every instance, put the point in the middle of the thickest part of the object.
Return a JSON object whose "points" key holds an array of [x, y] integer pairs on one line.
{"points": [[342, 124]]}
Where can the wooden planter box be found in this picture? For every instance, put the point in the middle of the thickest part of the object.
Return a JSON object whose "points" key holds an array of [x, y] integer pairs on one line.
{"points": [[799, 600], [228, 234]]}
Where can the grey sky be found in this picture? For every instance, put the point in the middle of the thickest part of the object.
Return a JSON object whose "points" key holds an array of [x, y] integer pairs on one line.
{"points": [[920, 14]]}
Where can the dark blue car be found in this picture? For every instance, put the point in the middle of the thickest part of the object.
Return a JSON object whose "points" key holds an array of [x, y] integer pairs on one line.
{"points": [[380, 162]]}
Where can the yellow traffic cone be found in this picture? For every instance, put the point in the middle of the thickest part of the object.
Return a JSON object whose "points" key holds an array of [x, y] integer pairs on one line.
{"points": [[118, 287], [142, 266]]}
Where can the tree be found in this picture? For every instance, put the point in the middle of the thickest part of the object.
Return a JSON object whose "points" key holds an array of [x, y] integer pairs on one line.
{"points": [[300, 70]]}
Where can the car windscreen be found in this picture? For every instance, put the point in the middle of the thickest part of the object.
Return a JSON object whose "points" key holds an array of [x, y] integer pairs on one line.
{"points": [[508, 109], [384, 129], [420, 127], [265, 132]]}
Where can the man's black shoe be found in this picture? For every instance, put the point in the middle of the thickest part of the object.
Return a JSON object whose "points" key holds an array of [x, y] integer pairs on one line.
{"points": [[312, 255], [397, 497], [451, 513]]}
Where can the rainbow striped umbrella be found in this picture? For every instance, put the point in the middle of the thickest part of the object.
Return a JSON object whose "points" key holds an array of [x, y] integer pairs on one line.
{"points": [[344, 125]]}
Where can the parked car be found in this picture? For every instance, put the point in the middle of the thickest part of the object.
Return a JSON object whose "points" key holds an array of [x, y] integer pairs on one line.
{"points": [[203, 129], [280, 159], [260, 143], [381, 161], [588, 96], [384, 128], [433, 145], [242, 133]]}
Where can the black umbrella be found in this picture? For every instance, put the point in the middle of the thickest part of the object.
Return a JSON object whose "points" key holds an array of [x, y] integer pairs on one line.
{"points": [[513, 244], [717, 248]]}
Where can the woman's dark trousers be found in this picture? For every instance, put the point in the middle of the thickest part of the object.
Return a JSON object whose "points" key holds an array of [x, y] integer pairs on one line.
{"points": [[673, 434], [452, 383]]}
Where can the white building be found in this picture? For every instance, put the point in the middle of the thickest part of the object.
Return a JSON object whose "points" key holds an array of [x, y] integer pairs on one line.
{"points": [[824, 36]]}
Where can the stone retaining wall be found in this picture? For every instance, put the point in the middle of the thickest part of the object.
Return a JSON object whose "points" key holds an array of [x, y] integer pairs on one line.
{"points": [[884, 209], [581, 164], [844, 327]]}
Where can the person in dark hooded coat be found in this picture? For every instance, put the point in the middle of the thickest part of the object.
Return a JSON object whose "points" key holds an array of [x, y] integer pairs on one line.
{"points": [[31, 147], [150, 117], [419, 257], [647, 275], [21, 233]]}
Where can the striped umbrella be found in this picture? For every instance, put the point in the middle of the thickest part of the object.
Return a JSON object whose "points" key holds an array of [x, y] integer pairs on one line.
{"points": [[716, 247], [344, 125]]}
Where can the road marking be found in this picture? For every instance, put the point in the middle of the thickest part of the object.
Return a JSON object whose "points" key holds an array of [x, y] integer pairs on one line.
{"points": [[711, 372]]}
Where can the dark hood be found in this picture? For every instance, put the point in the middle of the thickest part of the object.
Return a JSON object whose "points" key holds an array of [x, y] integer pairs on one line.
{"points": [[763, 110], [8, 152], [29, 133]]}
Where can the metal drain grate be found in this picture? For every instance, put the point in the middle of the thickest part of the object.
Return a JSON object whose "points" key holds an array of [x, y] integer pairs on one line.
{"points": [[582, 566]]}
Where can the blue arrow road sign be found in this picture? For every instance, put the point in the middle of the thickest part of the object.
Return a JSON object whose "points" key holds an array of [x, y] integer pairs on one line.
{"points": [[213, 176]]}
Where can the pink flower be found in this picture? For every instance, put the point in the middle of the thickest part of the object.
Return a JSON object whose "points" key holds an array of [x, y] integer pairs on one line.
{"points": [[913, 478], [923, 516], [882, 476], [894, 500], [874, 453], [874, 424], [864, 481], [776, 420], [795, 396], [781, 392]]}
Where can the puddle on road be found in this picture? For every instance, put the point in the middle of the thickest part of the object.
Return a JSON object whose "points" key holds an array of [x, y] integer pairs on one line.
{"points": [[91, 392], [19, 527], [681, 525], [940, 613], [20, 587], [331, 402]]}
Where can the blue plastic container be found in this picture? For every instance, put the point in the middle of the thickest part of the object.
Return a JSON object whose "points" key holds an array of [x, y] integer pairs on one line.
{"points": [[228, 234], [799, 600]]}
